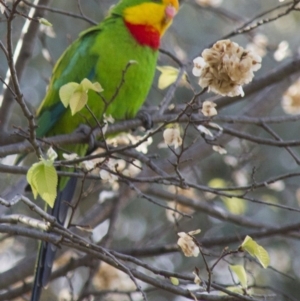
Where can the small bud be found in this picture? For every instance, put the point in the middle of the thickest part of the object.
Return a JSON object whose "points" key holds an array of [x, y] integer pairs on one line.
{"points": [[51, 154]]}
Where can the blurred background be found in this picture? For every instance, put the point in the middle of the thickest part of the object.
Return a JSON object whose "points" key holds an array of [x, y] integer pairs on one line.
{"points": [[249, 161]]}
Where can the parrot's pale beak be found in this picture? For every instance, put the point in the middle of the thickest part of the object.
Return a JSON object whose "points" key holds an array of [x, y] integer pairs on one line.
{"points": [[170, 13]]}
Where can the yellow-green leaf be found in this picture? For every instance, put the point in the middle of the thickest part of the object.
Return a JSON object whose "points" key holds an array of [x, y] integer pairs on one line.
{"points": [[168, 76], [263, 256], [217, 183], [88, 85], [30, 179], [240, 273], [75, 95], [43, 180], [44, 22], [78, 101], [254, 249], [66, 91], [234, 289], [234, 205], [97, 87], [174, 280], [249, 245]]}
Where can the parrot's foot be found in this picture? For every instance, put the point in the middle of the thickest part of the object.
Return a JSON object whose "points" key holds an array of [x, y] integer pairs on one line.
{"points": [[87, 131], [146, 119]]}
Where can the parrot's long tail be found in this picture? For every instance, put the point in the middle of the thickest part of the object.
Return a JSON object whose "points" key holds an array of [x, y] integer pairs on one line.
{"points": [[47, 250]]}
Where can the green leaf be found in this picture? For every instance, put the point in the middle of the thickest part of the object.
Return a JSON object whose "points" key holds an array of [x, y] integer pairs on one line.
{"points": [[240, 273], [66, 91], [254, 249], [174, 280], [78, 101], [43, 180]]}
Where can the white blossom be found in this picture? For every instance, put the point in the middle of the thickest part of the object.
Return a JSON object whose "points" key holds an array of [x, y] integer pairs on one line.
{"points": [[173, 216], [208, 108], [199, 64], [277, 186], [107, 176], [66, 295], [197, 279], [108, 118], [142, 147], [282, 51], [187, 244], [258, 45], [51, 154], [291, 99], [204, 130], [88, 165], [133, 169], [219, 149], [106, 195], [226, 67], [127, 139], [213, 3], [231, 161], [70, 157], [110, 278], [172, 137]]}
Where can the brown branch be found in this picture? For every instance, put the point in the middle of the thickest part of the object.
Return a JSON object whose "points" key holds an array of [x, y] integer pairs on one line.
{"points": [[61, 12]]}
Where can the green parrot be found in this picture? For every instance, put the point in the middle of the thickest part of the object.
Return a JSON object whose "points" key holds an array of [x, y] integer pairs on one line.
{"points": [[131, 33]]}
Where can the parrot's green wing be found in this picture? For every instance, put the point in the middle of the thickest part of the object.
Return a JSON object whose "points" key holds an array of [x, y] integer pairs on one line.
{"points": [[73, 66]]}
